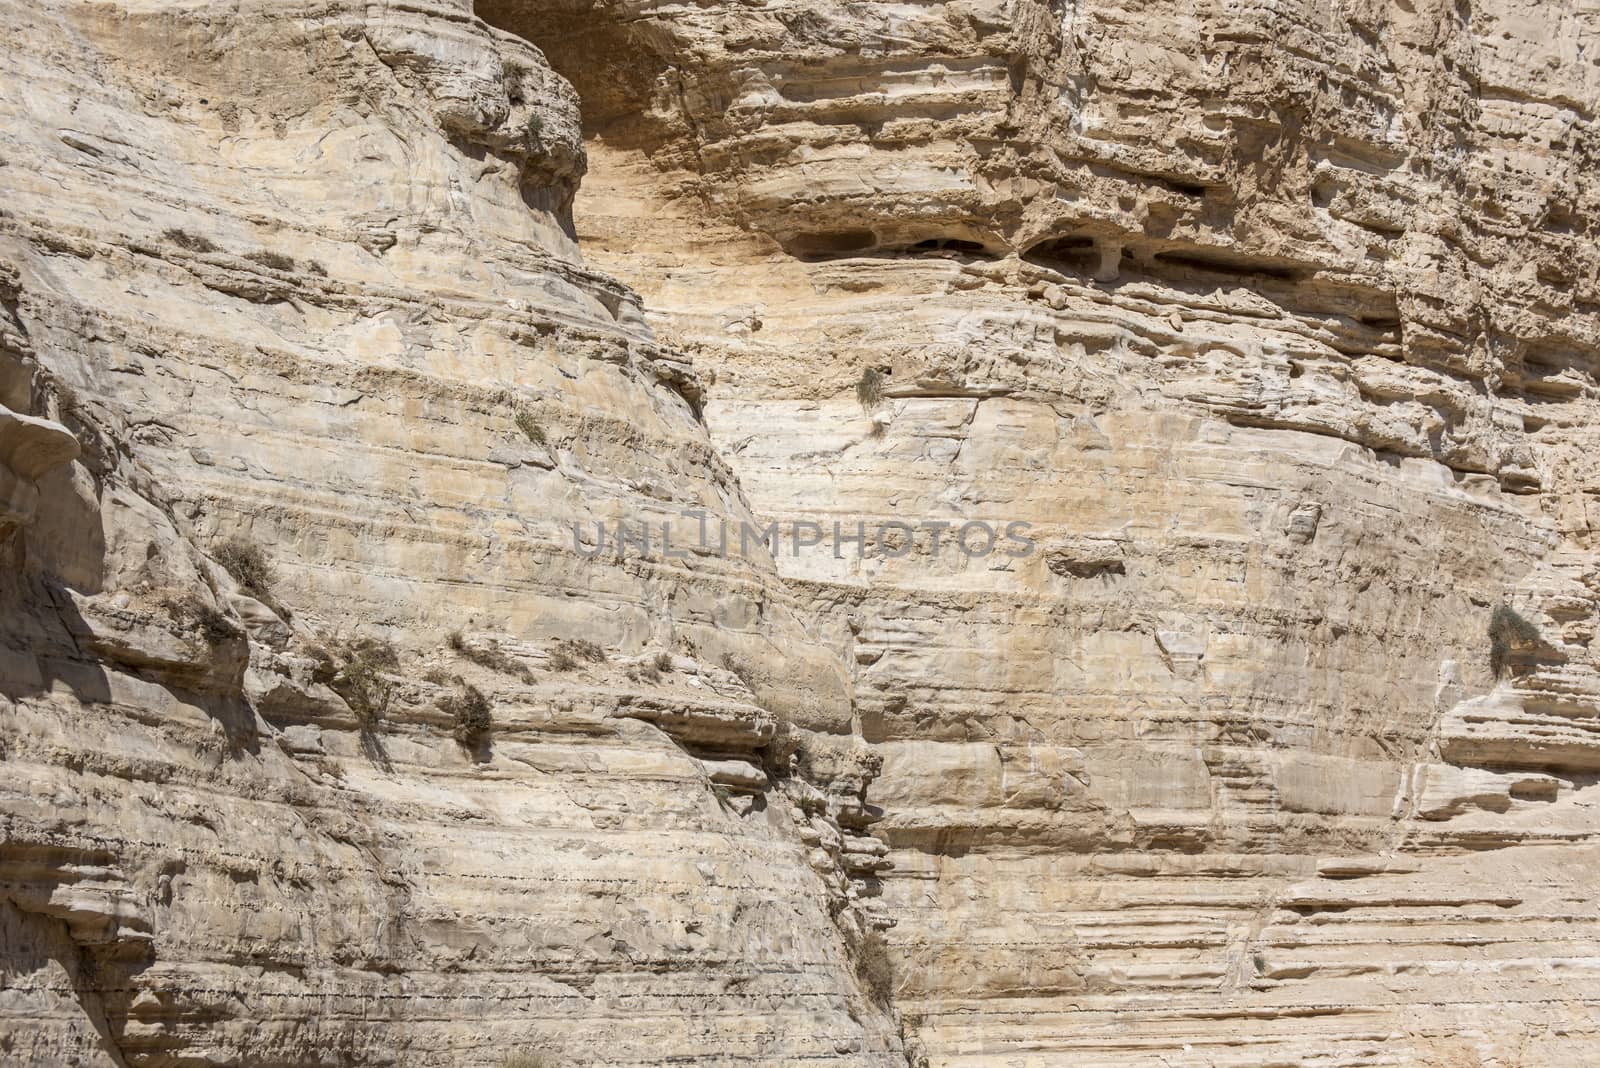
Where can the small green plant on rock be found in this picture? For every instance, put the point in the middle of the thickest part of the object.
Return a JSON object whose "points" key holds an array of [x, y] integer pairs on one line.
{"points": [[1508, 629]]}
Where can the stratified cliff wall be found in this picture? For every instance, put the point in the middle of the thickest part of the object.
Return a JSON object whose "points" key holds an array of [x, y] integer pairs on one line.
{"points": [[301, 277], [322, 326], [1278, 323]]}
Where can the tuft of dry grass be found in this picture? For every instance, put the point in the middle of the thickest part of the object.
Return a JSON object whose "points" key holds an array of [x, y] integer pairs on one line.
{"points": [[869, 388], [582, 649], [528, 1060], [875, 967], [276, 261], [530, 427], [472, 714], [248, 565], [359, 671], [213, 625], [1508, 629], [489, 656], [190, 242]]}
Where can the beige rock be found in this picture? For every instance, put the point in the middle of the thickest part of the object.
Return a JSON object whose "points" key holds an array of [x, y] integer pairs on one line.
{"points": [[1273, 323]]}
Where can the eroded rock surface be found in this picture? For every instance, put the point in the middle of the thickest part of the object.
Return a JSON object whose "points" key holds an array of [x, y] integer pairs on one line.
{"points": [[300, 282], [1276, 323]]}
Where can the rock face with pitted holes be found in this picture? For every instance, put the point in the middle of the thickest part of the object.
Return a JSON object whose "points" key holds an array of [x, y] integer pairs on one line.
{"points": [[305, 390], [334, 336]]}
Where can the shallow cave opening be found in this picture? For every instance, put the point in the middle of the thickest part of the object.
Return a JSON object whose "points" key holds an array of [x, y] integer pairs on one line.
{"points": [[612, 62], [1222, 266], [1073, 254], [957, 245], [828, 244]]}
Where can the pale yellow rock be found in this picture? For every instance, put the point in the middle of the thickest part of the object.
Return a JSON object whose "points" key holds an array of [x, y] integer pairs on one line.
{"points": [[1274, 323]]}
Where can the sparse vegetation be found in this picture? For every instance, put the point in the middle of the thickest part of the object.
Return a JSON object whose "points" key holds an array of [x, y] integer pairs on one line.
{"points": [[869, 388], [189, 242], [358, 671], [248, 565], [471, 711], [582, 649], [439, 677], [535, 127], [530, 427], [645, 672], [1507, 630], [276, 261], [490, 656], [191, 611], [527, 1060], [561, 660], [664, 662], [875, 967]]}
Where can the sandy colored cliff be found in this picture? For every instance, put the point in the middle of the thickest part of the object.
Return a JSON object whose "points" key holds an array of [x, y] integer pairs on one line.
{"points": [[325, 741]]}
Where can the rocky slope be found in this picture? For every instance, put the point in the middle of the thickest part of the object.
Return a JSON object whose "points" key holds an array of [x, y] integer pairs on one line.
{"points": [[1277, 323]]}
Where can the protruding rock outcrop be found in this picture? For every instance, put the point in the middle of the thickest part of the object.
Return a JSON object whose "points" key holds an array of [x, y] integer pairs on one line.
{"points": [[29, 448]]}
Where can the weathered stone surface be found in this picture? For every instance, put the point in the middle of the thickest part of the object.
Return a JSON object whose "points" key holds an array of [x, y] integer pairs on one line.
{"points": [[1275, 324], [302, 277]]}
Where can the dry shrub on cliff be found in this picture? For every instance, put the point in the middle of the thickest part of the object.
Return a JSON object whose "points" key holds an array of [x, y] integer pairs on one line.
{"points": [[248, 565], [1507, 630], [527, 1060], [191, 611], [869, 388], [276, 261], [573, 649], [472, 714], [530, 427], [191, 242], [489, 656], [358, 671], [875, 967]]}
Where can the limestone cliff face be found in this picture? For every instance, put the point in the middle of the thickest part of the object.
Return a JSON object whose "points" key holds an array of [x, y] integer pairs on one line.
{"points": [[1277, 323], [301, 278]]}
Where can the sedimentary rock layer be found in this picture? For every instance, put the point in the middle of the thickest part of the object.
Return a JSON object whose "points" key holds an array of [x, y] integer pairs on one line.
{"points": [[298, 282], [330, 332], [1277, 323]]}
